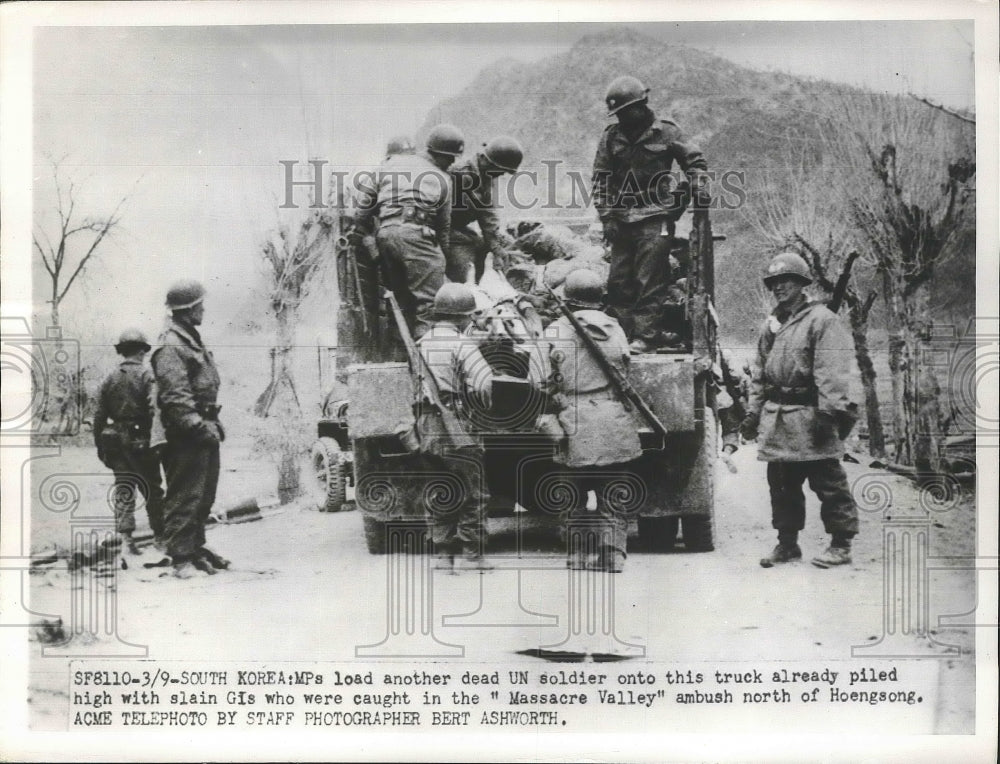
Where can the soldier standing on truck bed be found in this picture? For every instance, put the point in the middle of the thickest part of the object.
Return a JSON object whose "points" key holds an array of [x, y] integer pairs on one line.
{"points": [[600, 435], [410, 198], [473, 201], [799, 403], [122, 426], [187, 389], [638, 203], [464, 379]]}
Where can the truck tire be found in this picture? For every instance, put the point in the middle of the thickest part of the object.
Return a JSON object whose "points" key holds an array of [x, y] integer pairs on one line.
{"points": [[408, 536], [328, 475], [657, 534], [699, 530], [375, 536]]}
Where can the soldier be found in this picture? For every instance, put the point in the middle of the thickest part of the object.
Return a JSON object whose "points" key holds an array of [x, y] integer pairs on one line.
{"points": [[600, 435], [637, 202], [188, 387], [122, 425], [473, 192], [410, 197], [464, 380], [799, 402]]}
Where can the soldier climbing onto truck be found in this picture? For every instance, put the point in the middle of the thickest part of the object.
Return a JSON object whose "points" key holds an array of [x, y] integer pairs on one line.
{"points": [[406, 205], [638, 205], [474, 201]]}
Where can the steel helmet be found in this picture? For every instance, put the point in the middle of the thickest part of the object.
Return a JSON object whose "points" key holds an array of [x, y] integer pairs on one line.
{"points": [[787, 264], [185, 294], [584, 288], [446, 139], [454, 300], [401, 144], [504, 152], [131, 337], [624, 91]]}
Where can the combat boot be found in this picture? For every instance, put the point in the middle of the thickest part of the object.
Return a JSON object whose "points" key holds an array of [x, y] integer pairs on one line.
{"points": [[639, 346], [214, 559], [786, 551], [835, 554], [204, 566], [185, 570], [130, 546]]}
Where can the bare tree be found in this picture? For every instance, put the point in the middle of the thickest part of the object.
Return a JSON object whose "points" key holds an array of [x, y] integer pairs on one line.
{"points": [[291, 263], [66, 254], [912, 199]]}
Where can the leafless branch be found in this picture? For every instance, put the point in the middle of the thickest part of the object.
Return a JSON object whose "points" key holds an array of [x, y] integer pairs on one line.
{"points": [[939, 107]]}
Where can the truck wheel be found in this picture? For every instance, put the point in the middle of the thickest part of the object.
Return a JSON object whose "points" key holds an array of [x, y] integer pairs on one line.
{"points": [[375, 536], [328, 478], [699, 530], [405, 536], [657, 534], [698, 535]]}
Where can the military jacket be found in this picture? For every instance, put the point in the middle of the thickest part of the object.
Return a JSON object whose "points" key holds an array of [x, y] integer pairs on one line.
{"points": [[125, 404], [808, 355], [473, 201], [187, 380], [599, 431], [633, 180], [406, 188], [464, 379]]}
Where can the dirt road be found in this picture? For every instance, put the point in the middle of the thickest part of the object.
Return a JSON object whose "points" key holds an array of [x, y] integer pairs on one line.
{"points": [[303, 587]]}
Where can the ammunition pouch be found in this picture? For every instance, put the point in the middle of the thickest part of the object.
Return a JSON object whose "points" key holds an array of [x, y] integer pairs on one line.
{"points": [[407, 214]]}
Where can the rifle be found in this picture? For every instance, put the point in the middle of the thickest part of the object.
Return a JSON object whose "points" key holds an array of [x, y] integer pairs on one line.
{"points": [[422, 371], [618, 380], [840, 290]]}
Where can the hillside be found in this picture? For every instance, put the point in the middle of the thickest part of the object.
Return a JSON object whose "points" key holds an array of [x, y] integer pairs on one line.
{"points": [[744, 120]]}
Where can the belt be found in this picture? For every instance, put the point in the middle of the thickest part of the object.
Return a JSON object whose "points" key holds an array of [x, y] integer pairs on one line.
{"points": [[599, 393], [407, 214], [792, 396]]}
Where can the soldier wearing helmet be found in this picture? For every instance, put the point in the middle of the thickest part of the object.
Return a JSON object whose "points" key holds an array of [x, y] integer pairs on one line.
{"points": [[464, 380], [638, 201], [473, 201], [406, 205], [801, 409], [187, 392], [123, 422], [601, 436]]}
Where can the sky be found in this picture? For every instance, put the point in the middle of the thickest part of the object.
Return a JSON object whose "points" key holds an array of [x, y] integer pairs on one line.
{"points": [[192, 121]]}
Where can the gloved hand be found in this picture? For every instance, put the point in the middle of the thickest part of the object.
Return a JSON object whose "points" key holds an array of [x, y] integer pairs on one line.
{"points": [[221, 431], [845, 423], [700, 193], [748, 428], [611, 230], [369, 245], [208, 433]]}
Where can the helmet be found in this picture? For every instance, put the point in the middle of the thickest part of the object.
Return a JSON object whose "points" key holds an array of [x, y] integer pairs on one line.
{"points": [[624, 91], [504, 152], [454, 300], [131, 337], [585, 288], [185, 294], [446, 139], [401, 144], [787, 264]]}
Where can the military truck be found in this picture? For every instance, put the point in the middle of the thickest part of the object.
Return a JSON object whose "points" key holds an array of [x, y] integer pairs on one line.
{"points": [[362, 434]]}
